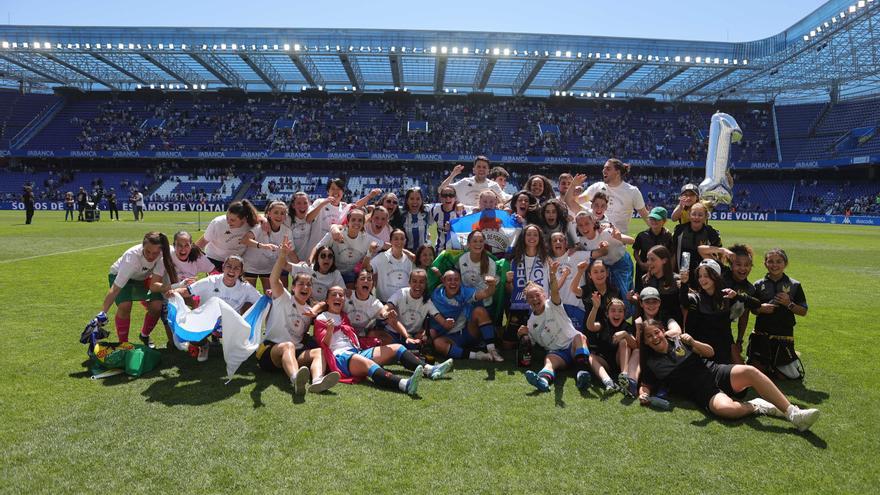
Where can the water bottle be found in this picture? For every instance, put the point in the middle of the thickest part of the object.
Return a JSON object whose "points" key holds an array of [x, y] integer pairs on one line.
{"points": [[685, 261], [658, 403]]}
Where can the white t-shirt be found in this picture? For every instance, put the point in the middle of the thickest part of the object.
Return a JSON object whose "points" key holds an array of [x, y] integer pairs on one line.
{"points": [[190, 269], [261, 261], [349, 252], [471, 275], [236, 296], [616, 249], [133, 266], [223, 240], [381, 237], [321, 282], [287, 321], [622, 200], [362, 314], [411, 312], [570, 262], [139, 199], [300, 230], [329, 215], [468, 190], [339, 341], [552, 329], [392, 274]]}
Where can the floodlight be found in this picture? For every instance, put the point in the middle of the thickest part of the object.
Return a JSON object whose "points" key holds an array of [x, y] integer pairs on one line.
{"points": [[506, 52], [678, 58], [558, 53], [5, 44], [589, 94], [612, 95], [726, 61], [852, 8], [454, 90], [455, 50], [320, 88], [444, 50], [619, 56], [745, 61], [222, 46], [604, 95], [568, 54], [286, 47], [296, 47], [464, 50], [354, 88], [496, 51], [629, 56], [203, 86], [152, 86], [557, 92], [861, 4], [697, 60]]}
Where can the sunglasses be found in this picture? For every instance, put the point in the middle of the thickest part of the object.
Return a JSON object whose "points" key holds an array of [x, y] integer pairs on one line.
{"points": [[325, 256], [391, 201], [447, 195]]}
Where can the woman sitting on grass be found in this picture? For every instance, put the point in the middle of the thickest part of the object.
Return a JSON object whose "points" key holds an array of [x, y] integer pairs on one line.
{"points": [[341, 349], [681, 365]]}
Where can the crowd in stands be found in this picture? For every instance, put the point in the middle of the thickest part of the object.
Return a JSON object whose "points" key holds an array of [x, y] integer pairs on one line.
{"points": [[466, 126]]}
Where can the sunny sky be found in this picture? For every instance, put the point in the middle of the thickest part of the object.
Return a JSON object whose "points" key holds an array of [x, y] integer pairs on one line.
{"points": [[740, 20]]}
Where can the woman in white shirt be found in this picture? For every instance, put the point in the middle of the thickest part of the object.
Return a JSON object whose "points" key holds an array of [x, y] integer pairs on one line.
{"points": [[391, 268], [223, 235], [129, 281], [349, 247], [263, 244]]}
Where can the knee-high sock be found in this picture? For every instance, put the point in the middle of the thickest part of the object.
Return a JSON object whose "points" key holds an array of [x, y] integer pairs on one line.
{"points": [[383, 378], [409, 360], [149, 324], [122, 325], [455, 352], [487, 331], [547, 374], [581, 355]]}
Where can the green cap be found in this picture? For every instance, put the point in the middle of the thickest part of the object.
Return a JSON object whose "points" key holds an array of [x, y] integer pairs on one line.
{"points": [[658, 213]]}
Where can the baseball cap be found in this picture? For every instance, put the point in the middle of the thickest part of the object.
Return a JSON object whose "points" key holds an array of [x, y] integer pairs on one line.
{"points": [[713, 265], [658, 213], [690, 188], [649, 293]]}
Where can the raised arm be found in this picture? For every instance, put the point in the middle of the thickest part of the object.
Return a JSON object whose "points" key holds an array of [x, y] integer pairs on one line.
{"points": [[554, 284], [591, 324], [704, 350], [278, 267], [366, 199], [456, 171], [570, 197]]}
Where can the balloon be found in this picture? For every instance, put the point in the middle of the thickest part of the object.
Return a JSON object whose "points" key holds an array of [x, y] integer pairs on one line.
{"points": [[723, 131]]}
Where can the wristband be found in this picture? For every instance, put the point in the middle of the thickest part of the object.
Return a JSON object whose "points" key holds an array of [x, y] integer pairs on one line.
{"points": [[790, 305]]}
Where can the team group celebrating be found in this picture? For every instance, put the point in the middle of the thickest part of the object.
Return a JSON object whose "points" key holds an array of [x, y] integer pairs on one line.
{"points": [[358, 286]]}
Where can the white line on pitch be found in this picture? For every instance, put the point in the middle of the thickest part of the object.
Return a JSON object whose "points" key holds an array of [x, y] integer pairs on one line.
{"points": [[66, 252]]}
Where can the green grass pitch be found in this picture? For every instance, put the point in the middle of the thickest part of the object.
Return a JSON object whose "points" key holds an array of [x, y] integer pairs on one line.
{"points": [[484, 430]]}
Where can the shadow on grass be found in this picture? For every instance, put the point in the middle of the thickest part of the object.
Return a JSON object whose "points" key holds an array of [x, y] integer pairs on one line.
{"points": [[797, 389]]}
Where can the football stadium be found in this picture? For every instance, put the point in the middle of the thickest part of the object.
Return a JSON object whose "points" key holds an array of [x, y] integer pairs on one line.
{"points": [[332, 260]]}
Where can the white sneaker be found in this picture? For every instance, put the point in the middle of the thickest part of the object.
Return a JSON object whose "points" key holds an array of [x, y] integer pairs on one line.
{"points": [[326, 382], [483, 356], [299, 380], [766, 408], [441, 369], [203, 353], [803, 419], [496, 356]]}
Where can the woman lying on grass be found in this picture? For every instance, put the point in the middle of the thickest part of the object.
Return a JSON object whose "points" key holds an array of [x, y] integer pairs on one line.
{"points": [[681, 365], [342, 352]]}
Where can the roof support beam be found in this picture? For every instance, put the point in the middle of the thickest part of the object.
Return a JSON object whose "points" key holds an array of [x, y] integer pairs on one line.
{"points": [[95, 74], [396, 70], [174, 68], [439, 73], [615, 77], [689, 86], [571, 75], [218, 68], [353, 71], [484, 72], [123, 66], [37, 66], [528, 73], [308, 69], [264, 69], [656, 79]]}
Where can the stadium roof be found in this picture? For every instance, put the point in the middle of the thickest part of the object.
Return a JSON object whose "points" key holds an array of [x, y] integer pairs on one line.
{"points": [[836, 46]]}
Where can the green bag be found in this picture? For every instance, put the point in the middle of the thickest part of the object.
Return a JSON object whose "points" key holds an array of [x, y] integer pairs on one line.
{"points": [[134, 359]]}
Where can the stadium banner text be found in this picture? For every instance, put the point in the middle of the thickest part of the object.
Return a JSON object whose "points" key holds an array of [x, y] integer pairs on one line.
{"points": [[123, 206], [422, 157]]}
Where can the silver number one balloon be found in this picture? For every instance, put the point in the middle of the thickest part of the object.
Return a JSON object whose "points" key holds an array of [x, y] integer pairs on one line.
{"points": [[723, 131]]}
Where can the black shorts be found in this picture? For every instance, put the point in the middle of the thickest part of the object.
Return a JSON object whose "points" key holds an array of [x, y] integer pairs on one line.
{"points": [[605, 350], [218, 265], [701, 387], [255, 275], [265, 360]]}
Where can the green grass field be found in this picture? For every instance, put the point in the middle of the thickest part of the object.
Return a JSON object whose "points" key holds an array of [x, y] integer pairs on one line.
{"points": [[484, 430]]}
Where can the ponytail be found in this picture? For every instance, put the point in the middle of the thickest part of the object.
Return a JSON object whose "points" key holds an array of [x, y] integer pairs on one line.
{"points": [[244, 209], [162, 240]]}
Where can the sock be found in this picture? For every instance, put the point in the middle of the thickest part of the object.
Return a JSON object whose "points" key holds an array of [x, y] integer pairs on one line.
{"points": [[471, 355], [580, 356], [490, 347], [608, 383], [428, 369], [790, 411], [149, 324], [384, 378], [547, 374], [456, 352], [403, 384], [487, 331], [409, 360], [122, 328]]}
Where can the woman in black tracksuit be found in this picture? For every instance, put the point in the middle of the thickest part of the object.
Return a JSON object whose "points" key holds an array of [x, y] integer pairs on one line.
{"points": [[708, 309]]}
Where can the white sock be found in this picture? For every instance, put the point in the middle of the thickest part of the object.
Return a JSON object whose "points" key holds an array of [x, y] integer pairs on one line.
{"points": [[428, 369], [472, 355], [402, 385], [490, 347], [608, 383], [791, 410], [317, 379]]}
